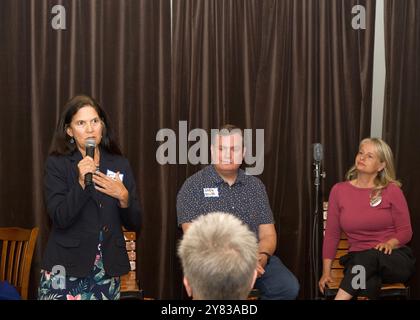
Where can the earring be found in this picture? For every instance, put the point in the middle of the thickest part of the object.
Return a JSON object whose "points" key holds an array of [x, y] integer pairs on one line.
{"points": [[72, 140]]}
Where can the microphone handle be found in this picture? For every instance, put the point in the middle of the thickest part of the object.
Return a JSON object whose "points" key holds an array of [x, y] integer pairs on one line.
{"points": [[88, 179], [90, 151], [317, 172]]}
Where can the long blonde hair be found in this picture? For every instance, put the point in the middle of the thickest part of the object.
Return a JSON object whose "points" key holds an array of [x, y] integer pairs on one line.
{"points": [[387, 174]]}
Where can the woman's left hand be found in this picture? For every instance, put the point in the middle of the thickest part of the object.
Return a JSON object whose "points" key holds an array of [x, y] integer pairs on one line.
{"points": [[384, 246], [112, 187]]}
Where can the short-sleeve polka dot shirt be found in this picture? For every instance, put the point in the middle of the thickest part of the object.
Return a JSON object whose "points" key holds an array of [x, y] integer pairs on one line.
{"points": [[206, 192]]}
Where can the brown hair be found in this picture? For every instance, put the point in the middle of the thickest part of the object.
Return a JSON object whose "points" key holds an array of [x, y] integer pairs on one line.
{"points": [[61, 144], [227, 130]]}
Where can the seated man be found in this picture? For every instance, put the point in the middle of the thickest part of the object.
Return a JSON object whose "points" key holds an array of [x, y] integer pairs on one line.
{"points": [[224, 187], [219, 258]]}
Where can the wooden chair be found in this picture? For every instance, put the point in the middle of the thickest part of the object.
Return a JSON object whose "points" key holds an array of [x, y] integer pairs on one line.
{"points": [[129, 285], [337, 272], [16, 257]]}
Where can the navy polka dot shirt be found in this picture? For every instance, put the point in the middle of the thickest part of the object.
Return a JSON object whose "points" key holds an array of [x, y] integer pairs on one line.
{"points": [[206, 192]]}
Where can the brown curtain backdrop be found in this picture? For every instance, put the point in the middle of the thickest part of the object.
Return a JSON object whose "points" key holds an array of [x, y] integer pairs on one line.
{"points": [[116, 51], [296, 69], [402, 112]]}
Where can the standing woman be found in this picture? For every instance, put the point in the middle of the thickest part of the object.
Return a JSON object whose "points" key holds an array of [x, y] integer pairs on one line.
{"points": [[85, 254], [371, 210]]}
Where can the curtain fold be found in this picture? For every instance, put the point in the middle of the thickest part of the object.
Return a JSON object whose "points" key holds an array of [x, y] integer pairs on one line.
{"points": [[401, 110]]}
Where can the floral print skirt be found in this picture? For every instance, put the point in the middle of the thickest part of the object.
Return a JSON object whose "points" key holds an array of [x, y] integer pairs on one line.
{"points": [[96, 286]]}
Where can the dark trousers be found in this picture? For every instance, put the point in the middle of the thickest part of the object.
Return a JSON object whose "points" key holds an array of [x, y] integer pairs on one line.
{"points": [[365, 271]]}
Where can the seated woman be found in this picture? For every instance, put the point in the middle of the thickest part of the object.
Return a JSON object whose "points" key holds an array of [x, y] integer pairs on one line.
{"points": [[371, 210]]}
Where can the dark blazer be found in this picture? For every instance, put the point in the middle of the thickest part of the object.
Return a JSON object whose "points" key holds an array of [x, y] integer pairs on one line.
{"points": [[79, 215]]}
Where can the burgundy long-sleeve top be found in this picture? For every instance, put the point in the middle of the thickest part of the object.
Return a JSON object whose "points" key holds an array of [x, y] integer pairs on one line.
{"points": [[349, 210]]}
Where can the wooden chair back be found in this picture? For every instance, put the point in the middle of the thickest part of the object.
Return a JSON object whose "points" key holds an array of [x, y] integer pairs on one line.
{"points": [[129, 285], [17, 250]]}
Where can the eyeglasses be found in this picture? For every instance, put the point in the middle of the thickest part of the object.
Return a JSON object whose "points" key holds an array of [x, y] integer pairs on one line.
{"points": [[82, 124]]}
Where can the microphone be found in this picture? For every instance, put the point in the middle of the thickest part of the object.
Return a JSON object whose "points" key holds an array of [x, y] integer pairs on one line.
{"points": [[90, 151], [318, 152], [318, 156]]}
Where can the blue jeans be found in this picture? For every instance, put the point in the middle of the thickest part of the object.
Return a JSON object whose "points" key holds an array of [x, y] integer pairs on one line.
{"points": [[278, 282]]}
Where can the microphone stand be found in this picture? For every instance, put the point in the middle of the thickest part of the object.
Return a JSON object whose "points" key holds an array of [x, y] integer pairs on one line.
{"points": [[317, 229]]}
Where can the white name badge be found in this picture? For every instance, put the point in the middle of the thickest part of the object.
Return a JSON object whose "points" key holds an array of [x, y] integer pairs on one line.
{"points": [[211, 192], [374, 202], [112, 174]]}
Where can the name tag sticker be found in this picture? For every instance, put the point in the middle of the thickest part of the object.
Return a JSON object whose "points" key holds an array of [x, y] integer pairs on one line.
{"points": [[211, 192], [112, 174]]}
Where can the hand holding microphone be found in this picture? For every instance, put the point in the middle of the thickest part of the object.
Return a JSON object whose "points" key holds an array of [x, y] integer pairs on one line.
{"points": [[87, 165]]}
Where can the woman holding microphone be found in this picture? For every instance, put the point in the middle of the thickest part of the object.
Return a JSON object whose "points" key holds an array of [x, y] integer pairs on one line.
{"points": [[90, 194]]}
